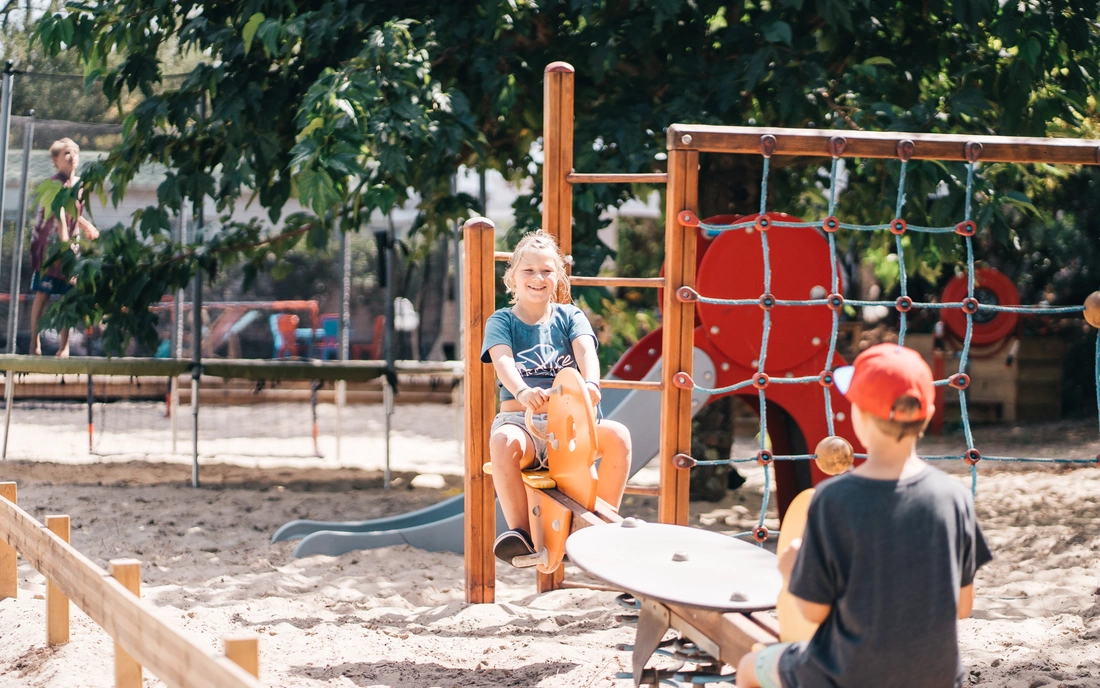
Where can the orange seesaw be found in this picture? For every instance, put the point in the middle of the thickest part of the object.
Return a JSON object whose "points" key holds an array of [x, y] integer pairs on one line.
{"points": [[563, 498]]}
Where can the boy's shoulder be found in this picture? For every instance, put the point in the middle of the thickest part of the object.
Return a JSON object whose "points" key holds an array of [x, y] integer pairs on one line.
{"points": [[931, 480]]}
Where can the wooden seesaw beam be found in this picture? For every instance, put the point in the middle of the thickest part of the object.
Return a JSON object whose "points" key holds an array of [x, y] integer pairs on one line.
{"points": [[725, 636]]}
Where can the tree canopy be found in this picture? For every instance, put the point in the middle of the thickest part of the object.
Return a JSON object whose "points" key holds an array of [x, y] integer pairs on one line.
{"points": [[350, 107]]}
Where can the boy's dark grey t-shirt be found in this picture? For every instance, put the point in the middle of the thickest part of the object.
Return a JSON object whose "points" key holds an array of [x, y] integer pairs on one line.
{"points": [[541, 351], [890, 557]]}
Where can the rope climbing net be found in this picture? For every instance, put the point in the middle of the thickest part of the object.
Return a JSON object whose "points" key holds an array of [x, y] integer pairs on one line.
{"points": [[835, 302]]}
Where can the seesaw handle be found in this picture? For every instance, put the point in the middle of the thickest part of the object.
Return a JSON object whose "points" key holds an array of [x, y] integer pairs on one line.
{"points": [[529, 420]]}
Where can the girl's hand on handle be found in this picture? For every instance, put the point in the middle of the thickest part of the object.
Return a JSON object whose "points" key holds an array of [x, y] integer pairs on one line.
{"points": [[534, 398], [594, 393]]}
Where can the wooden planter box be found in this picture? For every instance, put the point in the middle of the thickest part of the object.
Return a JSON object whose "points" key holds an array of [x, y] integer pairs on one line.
{"points": [[1030, 389]]}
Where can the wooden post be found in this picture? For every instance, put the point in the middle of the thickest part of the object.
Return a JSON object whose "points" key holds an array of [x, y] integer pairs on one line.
{"points": [[557, 192], [557, 142], [127, 670], [244, 651], [9, 566], [678, 330], [545, 582], [57, 605], [479, 279]]}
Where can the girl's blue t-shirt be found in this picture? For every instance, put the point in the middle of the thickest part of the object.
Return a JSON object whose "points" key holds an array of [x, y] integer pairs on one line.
{"points": [[540, 351]]}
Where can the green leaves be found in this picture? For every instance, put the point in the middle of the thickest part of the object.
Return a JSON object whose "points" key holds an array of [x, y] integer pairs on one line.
{"points": [[249, 30], [349, 110], [778, 32], [317, 190]]}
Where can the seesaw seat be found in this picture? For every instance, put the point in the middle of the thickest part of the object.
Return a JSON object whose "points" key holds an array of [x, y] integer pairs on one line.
{"points": [[539, 480]]}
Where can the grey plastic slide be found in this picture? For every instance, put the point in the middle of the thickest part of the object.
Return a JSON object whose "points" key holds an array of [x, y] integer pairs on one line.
{"points": [[439, 528]]}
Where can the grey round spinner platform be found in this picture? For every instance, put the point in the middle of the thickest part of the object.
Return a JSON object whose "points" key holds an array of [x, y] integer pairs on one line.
{"points": [[679, 565]]}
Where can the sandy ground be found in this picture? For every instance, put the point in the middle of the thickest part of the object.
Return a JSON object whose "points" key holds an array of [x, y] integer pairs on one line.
{"points": [[396, 616]]}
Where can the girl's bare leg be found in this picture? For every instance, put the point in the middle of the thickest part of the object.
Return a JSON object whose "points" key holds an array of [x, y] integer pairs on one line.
{"points": [[614, 440], [39, 305], [63, 343], [511, 449]]}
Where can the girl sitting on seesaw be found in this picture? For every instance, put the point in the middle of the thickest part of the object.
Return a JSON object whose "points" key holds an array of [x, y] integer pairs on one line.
{"points": [[528, 344]]}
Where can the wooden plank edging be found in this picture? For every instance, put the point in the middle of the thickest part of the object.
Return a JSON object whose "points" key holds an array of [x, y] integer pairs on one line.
{"points": [[148, 639]]}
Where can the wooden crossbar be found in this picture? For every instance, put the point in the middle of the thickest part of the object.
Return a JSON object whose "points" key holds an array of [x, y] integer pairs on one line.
{"points": [[247, 369], [150, 641], [650, 385], [616, 178], [883, 144]]}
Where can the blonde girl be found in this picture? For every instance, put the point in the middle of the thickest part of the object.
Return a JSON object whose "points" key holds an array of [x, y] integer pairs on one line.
{"points": [[528, 344]]}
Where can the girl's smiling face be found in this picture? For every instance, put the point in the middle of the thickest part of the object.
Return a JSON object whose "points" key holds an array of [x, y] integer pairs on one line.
{"points": [[536, 277]]}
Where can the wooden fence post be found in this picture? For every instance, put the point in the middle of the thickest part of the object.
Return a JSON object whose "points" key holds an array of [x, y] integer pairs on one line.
{"points": [[478, 286], [9, 566], [244, 651], [127, 670], [57, 604]]}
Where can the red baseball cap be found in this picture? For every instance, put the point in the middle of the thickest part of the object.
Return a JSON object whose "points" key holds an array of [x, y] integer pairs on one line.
{"points": [[883, 374]]}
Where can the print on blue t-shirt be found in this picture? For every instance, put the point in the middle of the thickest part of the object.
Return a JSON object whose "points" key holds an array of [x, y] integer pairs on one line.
{"points": [[540, 351]]}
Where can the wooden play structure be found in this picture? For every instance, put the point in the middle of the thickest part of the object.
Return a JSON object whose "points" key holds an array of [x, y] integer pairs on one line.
{"points": [[113, 601], [720, 632]]}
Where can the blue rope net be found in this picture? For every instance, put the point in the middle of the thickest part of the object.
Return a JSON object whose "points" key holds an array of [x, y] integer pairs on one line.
{"points": [[899, 227]]}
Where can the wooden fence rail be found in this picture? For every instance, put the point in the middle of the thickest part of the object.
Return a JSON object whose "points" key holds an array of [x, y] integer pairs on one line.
{"points": [[142, 635]]}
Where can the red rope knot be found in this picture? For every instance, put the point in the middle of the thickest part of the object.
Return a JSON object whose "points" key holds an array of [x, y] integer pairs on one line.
{"points": [[683, 461], [905, 150], [835, 302], [966, 228], [830, 224], [825, 379], [687, 295], [898, 226], [688, 218], [959, 380], [764, 457], [973, 151], [683, 381], [970, 306], [767, 302], [972, 456], [761, 380], [760, 534], [837, 145], [904, 304], [767, 145], [763, 224]]}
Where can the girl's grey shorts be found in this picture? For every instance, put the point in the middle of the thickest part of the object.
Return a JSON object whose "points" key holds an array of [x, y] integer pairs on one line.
{"points": [[516, 418]]}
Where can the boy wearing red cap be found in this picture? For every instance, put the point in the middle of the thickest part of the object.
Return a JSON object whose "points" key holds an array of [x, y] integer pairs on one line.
{"points": [[887, 562]]}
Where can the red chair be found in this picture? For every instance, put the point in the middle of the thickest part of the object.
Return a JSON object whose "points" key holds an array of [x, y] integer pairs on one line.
{"points": [[287, 324], [377, 338]]}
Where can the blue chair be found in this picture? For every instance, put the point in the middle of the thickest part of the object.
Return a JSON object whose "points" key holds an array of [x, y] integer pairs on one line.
{"points": [[330, 339]]}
